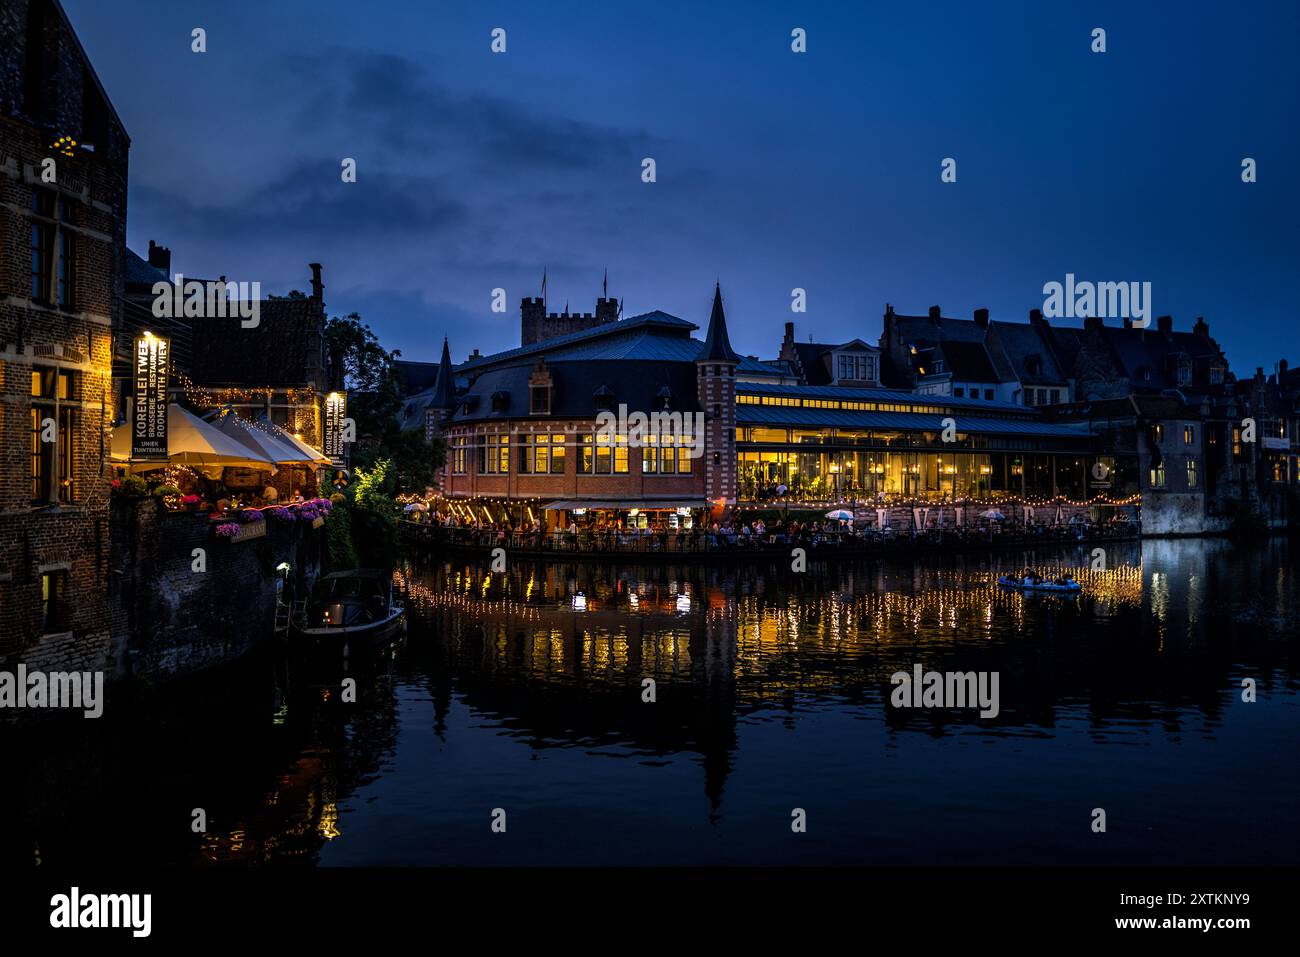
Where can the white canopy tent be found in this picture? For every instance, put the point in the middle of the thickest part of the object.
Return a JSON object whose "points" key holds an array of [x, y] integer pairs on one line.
{"points": [[260, 438], [192, 442]]}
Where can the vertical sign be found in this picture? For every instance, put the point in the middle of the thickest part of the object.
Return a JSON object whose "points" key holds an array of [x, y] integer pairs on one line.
{"points": [[149, 425], [336, 410]]}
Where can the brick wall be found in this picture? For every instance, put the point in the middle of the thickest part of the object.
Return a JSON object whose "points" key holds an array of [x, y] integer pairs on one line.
{"points": [[47, 91], [178, 621]]}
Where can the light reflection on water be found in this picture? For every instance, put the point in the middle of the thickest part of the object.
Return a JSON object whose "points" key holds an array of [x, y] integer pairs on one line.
{"points": [[771, 693]]}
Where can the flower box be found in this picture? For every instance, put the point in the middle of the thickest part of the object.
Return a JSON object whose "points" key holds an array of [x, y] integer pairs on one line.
{"points": [[248, 531]]}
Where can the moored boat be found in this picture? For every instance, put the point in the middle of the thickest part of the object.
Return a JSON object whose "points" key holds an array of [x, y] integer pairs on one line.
{"points": [[1067, 587], [354, 606]]}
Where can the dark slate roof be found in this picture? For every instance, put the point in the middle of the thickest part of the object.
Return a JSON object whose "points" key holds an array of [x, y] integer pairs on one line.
{"points": [[1140, 350], [574, 386], [968, 361], [414, 377], [285, 348], [549, 347], [717, 346], [140, 273], [812, 358], [1019, 342], [913, 421]]}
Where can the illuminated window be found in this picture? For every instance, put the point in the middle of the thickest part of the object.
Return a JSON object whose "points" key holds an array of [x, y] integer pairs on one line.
{"points": [[1192, 477], [1189, 435], [1158, 476], [54, 601]]}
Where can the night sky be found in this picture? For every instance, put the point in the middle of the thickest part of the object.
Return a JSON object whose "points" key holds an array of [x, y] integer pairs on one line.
{"points": [[775, 169]]}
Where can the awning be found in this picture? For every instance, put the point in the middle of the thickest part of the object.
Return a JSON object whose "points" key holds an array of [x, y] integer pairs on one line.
{"points": [[261, 439], [284, 435], [648, 505], [193, 442]]}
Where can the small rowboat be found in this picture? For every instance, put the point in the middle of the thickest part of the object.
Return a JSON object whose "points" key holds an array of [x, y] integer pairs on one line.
{"points": [[1043, 585]]}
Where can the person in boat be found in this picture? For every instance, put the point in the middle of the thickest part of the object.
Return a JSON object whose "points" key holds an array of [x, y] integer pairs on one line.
{"points": [[1031, 577]]}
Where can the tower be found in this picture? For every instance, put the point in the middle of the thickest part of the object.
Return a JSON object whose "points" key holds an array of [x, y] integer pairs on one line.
{"points": [[715, 377]]}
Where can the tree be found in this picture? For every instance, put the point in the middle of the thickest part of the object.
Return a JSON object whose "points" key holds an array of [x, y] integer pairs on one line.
{"points": [[374, 398]]}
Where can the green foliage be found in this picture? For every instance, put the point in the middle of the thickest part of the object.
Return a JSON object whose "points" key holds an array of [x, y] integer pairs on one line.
{"points": [[167, 491], [374, 399], [340, 553], [368, 372], [374, 516], [134, 485]]}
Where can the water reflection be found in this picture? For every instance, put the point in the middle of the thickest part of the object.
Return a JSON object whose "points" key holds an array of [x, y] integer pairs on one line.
{"points": [[770, 691]]}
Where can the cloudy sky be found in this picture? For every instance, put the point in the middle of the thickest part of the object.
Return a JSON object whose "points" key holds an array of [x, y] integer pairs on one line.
{"points": [[775, 170]]}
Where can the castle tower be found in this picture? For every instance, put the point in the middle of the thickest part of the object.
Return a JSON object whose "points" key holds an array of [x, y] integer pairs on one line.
{"points": [[444, 395], [715, 376]]}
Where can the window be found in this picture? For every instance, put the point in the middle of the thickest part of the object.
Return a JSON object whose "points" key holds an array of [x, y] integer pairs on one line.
{"points": [[988, 395], [1191, 473], [1056, 397], [602, 457], [684, 456], [1216, 375], [52, 250], [650, 455], [52, 456], [958, 392], [459, 445], [1159, 432], [1189, 435], [542, 454], [53, 601], [1158, 476], [540, 403], [1184, 373], [495, 459], [938, 367]]}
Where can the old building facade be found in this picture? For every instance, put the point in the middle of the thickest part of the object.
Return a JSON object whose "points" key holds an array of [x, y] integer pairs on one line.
{"points": [[63, 196]]}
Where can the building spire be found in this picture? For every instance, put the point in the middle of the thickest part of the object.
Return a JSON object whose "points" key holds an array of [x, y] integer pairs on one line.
{"points": [[717, 346], [444, 386]]}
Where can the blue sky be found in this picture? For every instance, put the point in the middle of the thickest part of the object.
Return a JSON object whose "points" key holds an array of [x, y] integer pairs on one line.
{"points": [[775, 170]]}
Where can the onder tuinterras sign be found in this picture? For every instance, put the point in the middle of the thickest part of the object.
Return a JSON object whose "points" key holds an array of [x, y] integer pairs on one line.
{"points": [[149, 420]]}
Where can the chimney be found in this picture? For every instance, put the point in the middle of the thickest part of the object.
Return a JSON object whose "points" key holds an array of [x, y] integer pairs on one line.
{"points": [[317, 287], [982, 318], [1093, 324], [160, 257], [1165, 324], [1202, 327], [1035, 317], [934, 314], [476, 354]]}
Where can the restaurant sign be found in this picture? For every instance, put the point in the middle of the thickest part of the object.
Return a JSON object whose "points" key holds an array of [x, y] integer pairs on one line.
{"points": [[149, 425], [336, 412]]}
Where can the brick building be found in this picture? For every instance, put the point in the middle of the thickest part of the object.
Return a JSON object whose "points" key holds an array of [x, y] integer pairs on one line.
{"points": [[63, 196]]}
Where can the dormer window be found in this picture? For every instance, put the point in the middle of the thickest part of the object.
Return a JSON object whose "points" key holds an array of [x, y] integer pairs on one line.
{"points": [[1216, 375], [1034, 364], [539, 400], [500, 401], [665, 397], [1184, 372], [938, 367], [603, 398], [855, 368], [539, 389]]}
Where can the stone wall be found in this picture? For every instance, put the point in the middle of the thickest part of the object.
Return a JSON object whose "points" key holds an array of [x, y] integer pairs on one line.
{"points": [[178, 620]]}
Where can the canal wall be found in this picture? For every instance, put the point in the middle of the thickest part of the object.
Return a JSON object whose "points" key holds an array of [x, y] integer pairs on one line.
{"points": [[185, 600], [1179, 513]]}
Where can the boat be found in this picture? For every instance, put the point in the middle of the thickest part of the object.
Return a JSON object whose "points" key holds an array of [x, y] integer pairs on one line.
{"points": [[351, 607], [1047, 586]]}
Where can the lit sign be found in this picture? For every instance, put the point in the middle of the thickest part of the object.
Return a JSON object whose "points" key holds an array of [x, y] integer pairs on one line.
{"points": [[149, 422], [336, 411]]}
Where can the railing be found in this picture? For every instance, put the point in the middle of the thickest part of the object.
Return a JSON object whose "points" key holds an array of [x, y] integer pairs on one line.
{"points": [[700, 542]]}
